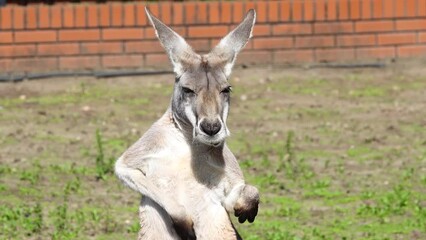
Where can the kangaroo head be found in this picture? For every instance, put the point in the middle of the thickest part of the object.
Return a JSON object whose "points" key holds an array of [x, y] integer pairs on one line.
{"points": [[201, 95]]}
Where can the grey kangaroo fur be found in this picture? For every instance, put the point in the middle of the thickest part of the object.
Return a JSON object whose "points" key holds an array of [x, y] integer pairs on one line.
{"points": [[189, 179]]}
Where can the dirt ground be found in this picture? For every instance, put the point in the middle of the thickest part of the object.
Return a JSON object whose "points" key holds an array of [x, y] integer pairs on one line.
{"points": [[335, 153]]}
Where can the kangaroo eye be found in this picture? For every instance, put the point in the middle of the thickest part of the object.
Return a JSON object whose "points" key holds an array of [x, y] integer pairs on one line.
{"points": [[187, 90], [227, 90]]}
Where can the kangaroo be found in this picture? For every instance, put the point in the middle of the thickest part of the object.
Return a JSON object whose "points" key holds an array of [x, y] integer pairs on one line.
{"points": [[189, 179]]}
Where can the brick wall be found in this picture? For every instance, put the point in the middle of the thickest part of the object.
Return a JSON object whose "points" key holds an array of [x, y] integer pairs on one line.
{"points": [[117, 35]]}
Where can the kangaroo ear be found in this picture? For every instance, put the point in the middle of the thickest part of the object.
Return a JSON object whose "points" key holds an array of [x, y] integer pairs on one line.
{"points": [[225, 53], [180, 53]]}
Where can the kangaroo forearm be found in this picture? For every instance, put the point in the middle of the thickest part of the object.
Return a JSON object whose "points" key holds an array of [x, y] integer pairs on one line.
{"points": [[138, 182], [232, 197]]}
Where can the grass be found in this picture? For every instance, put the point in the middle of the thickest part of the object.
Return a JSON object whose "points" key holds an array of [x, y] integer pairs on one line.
{"points": [[335, 154]]}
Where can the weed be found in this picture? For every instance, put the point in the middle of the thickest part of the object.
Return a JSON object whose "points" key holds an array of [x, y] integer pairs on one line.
{"points": [[134, 227], [72, 186], [30, 175], [103, 166], [286, 157], [4, 169], [293, 166], [25, 218]]}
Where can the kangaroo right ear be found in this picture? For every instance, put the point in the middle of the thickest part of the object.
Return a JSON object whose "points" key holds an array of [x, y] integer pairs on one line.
{"points": [[225, 53], [180, 53]]}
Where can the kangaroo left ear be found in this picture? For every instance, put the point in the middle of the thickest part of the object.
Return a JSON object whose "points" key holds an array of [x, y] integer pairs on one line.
{"points": [[226, 51], [180, 53]]}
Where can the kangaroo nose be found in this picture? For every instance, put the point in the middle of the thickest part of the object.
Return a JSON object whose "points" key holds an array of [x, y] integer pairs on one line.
{"points": [[210, 128]]}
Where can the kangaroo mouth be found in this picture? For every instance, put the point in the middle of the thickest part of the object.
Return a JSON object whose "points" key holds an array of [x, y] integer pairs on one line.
{"points": [[216, 144], [214, 141]]}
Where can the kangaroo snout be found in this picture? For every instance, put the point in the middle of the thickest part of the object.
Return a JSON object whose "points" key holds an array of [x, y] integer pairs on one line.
{"points": [[209, 127]]}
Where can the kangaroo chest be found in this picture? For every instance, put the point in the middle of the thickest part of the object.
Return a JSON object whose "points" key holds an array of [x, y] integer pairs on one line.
{"points": [[195, 181]]}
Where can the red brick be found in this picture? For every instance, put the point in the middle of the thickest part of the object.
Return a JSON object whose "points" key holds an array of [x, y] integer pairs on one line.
{"points": [[400, 8], [374, 26], [226, 13], [200, 45], [214, 13], [166, 12], [6, 37], [79, 35], [101, 48], [129, 14], [411, 8], [43, 17], [17, 50], [261, 30], [59, 49], [141, 18], [92, 16], [182, 31], [388, 9], [5, 18], [254, 57], [414, 24], [320, 10], [6, 65], [356, 40], [156, 60], [308, 11], [294, 56], [86, 62], [32, 64], [201, 16], [261, 12], [331, 10], [285, 8], [68, 12], [80, 16], [215, 41], [422, 37], [273, 43], [396, 38], [117, 15], [377, 8], [31, 17], [375, 52], [249, 5], [412, 51], [366, 9], [355, 9], [155, 9], [297, 11], [336, 54], [237, 12], [190, 12], [149, 33], [122, 61], [336, 27], [105, 15], [144, 47], [294, 29], [205, 32], [122, 34], [343, 9], [314, 41], [56, 16], [18, 18], [35, 36], [273, 14], [421, 8]]}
